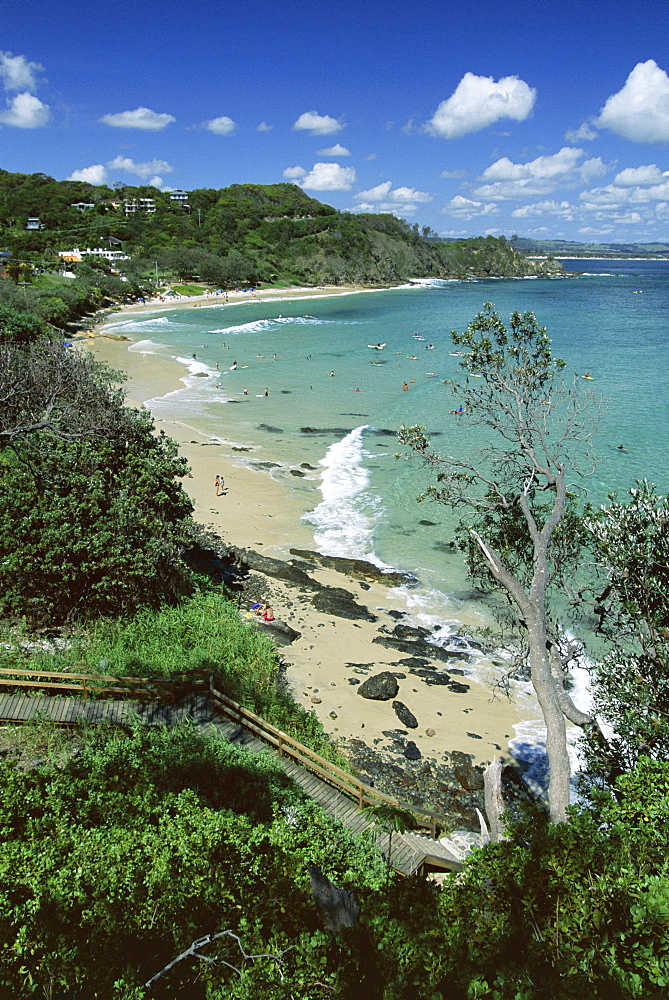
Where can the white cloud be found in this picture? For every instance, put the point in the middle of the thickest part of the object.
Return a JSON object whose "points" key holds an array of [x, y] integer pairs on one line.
{"points": [[328, 177], [156, 182], [479, 101], [562, 209], [592, 169], [264, 127], [25, 111], [17, 73], [538, 177], [453, 175], [336, 150], [291, 173], [640, 111], [584, 133], [649, 174], [317, 124], [143, 170], [220, 126], [92, 175], [466, 208], [140, 118], [401, 195]]}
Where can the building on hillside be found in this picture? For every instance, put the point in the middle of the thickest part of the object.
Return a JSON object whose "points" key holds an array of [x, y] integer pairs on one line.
{"points": [[77, 255], [83, 206], [180, 196], [146, 205], [33, 223]]}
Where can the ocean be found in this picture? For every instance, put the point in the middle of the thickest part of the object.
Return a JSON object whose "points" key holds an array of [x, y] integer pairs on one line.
{"points": [[300, 384]]}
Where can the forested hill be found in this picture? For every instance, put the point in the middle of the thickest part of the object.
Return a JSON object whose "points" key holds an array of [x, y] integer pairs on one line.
{"points": [[244, 233]]}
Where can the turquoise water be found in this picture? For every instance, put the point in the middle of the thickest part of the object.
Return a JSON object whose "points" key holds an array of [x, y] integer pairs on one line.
{"points": [[357, 497]]}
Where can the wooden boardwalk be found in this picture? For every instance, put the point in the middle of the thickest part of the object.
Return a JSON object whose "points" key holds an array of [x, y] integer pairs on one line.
{"points": [[410, 852]]}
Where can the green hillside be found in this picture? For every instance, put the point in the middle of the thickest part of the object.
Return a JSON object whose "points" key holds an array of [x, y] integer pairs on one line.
{"points": [[246, 233]]}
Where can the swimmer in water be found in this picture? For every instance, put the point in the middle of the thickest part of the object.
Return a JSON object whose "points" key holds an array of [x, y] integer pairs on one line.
{"points": [[331, 374], [405, 386]]}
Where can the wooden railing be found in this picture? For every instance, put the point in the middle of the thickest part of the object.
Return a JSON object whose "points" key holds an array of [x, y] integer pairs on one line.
{"points": [[101, 685], [180, 683], [351, 786]]}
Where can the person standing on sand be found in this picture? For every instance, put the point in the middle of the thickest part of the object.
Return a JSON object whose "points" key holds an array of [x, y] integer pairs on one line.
{"points": [[217, 485]]}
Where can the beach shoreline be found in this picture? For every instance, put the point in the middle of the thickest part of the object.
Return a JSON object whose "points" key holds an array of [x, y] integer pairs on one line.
{"points": [[325, 665]]}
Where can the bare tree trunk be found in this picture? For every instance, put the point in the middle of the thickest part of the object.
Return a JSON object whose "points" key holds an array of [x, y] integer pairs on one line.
{"points": [[545, 687], [494, 803]]}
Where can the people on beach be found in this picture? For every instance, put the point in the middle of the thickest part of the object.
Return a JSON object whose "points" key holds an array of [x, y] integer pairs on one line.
{"points": [[245, 391], [217, 485], [233, 366], [266, 391], [405, 386], [267, 614]]}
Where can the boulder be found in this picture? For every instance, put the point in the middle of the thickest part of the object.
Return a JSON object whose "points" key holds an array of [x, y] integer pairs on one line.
{"points": [[380, 687], [470, 777]]}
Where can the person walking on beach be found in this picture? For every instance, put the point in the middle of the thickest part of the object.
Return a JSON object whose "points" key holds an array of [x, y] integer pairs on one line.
{"points": [[217, 485]]}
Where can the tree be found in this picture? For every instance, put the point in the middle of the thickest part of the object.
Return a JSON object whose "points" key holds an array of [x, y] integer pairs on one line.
{"points": [[515, 491], [631, 547]]}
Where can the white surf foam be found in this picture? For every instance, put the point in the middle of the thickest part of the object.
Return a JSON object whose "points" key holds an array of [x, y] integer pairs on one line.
{"points": [[146, 347], [346, 517], [263, 325]]}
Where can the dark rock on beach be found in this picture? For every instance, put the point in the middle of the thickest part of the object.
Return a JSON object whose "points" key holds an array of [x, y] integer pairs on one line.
{"points": [[416, 648], [281, 633], [276, 568], [411, 751], [414, 640], [405, 715], [270, 429], [380, 687], [297, 472], [339, 602]]}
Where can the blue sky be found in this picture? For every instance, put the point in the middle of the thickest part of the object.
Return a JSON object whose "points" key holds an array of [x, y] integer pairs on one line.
{"points": [[547, 120]]}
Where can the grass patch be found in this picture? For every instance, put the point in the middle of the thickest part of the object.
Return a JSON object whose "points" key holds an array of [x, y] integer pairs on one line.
{"points": [[189, 289], [204, 632]]}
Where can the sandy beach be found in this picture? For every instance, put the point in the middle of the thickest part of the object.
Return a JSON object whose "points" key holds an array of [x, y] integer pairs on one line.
{"points": [[332, 655]]}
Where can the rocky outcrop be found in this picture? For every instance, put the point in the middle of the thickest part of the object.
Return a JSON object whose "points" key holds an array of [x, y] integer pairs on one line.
{"points": [[275, 568], [281, 633], [357, 569]]}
